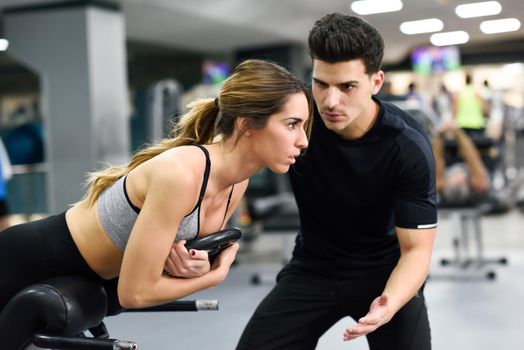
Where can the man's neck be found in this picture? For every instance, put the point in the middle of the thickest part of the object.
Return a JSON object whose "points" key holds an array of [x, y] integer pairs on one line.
{"points": [[363, 123]]}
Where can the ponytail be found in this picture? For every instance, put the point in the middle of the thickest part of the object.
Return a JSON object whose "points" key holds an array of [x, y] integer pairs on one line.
{"points": [[196, 127]]}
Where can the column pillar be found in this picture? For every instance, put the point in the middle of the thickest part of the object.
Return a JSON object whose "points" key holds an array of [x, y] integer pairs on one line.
{"points": [[78, 50]]}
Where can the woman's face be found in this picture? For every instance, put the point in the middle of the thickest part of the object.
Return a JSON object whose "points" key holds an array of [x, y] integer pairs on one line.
{"points": [[283, 138]]}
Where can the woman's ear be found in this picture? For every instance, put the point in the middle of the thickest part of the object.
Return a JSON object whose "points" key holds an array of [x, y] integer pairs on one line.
{"points": [[241, 124]]}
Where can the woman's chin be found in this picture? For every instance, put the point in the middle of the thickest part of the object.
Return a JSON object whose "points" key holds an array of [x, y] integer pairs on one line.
{"points": [[281, 169]]}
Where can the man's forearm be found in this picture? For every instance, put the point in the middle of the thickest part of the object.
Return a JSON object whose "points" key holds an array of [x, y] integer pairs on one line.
{"points": [[407, 277]]}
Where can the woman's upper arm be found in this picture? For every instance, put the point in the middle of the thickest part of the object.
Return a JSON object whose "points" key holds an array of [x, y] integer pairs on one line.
{"points": [[171, 194]]}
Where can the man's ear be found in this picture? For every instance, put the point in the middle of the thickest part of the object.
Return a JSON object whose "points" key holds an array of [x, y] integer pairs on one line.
{"points": [[377, 79]]}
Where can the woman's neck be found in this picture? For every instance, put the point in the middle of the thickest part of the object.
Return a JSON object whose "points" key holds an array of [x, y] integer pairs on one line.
{"points": [[232, 163]]}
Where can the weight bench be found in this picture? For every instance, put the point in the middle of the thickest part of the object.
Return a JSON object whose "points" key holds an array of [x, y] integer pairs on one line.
{"points": [[58, 312], [466, 226]]}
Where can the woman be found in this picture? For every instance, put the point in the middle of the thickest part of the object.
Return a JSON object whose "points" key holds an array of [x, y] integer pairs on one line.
{"points": [[181, 188]]}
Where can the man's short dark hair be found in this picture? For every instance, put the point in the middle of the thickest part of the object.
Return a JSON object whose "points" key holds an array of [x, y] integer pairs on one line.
{"points": [[337, 37]]}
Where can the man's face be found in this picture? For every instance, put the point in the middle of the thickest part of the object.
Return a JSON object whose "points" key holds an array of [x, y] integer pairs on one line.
{"points": [[342, 92]]}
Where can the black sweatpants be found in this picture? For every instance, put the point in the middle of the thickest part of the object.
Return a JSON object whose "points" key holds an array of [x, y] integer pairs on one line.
{"points": [[34, 251], [302, 307]]}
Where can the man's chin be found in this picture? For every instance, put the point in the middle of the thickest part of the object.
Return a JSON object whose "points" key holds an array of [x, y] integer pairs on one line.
{"points": [[333, 126]]}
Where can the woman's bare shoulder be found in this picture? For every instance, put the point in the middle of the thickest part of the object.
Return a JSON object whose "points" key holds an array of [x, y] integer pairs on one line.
{"points": [[184, 163]]}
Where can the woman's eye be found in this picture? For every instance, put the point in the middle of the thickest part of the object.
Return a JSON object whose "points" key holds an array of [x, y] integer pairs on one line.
{"points": [[292, 125]]}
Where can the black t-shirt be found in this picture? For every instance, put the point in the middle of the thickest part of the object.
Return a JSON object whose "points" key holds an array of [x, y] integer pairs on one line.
{"points": [[352, 193]]}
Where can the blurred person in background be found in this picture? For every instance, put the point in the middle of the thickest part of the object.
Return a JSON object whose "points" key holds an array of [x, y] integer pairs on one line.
{"points": [[414, 95], [443, 104], [470, 109], [6, 172], [461, 177]]}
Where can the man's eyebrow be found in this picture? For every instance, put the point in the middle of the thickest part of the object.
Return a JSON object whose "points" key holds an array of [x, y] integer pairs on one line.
{"points": [[353, 82]]}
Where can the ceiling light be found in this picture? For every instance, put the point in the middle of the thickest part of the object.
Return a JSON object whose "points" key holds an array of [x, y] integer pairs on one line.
{"points": [[368, 7], [513, 68], [500, 26], [478, 9], [3, 44], [422, 26], [449, 38]]}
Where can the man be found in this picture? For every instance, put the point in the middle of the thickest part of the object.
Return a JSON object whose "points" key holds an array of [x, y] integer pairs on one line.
{"points": [[365, 190]]}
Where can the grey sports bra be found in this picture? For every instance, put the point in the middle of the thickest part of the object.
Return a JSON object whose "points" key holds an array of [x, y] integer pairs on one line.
{"points": [[118, 215]]}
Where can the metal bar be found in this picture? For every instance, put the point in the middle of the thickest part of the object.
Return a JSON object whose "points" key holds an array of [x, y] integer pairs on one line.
{"points": [[79, 343], [181, 305]]}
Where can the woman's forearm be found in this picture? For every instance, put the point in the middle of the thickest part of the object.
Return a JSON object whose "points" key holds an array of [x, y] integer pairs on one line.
{"points": [[165, 289]]}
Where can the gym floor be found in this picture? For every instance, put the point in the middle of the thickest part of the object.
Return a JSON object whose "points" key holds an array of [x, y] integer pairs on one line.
{"points": [[466, 310]]}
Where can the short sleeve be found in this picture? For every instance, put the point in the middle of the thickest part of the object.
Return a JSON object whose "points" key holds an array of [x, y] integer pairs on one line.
{"points": [[415, 200]]}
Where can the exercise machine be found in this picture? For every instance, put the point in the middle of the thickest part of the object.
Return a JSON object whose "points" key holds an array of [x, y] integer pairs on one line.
{"points": [[61, 312], [467, 230]]}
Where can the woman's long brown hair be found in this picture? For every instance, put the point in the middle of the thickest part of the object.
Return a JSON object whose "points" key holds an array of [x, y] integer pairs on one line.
{"points": [[255, 90]]}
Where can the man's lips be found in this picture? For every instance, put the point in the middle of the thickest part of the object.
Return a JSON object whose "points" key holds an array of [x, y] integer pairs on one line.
{"points": [[331, 115]]}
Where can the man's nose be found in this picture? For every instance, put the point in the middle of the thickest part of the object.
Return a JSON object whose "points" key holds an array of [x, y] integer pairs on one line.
{"points": [[332, 97]]}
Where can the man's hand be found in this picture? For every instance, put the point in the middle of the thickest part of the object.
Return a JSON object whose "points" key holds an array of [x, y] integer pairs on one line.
{"points": [[186, 263], [377, 316]]}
